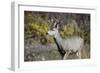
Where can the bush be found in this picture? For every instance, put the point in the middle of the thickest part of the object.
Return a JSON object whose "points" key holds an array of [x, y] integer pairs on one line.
{"points": [[71, 29]]}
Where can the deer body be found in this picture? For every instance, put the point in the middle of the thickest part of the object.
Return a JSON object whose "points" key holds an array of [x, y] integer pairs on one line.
{"points": [[66, 46], [72, 43]]}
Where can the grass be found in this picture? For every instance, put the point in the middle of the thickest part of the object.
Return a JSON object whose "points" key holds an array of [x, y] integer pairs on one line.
{"points": [[54, 55], [46, 55]]}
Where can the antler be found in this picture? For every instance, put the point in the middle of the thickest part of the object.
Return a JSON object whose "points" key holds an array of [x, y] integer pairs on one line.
{"points": [[55, 21]]}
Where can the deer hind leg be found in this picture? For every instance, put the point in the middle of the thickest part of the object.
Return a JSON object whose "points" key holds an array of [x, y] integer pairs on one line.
{"points": [[79, 54]]}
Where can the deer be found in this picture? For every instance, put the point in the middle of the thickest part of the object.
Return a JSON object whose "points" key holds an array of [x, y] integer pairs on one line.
{"points": [[67, 46]]}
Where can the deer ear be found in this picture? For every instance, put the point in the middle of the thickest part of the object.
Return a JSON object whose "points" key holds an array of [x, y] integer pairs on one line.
{"points": [[57, 26]]}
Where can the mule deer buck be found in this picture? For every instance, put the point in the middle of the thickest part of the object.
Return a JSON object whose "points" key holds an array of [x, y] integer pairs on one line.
{"points": [[66, 46]]}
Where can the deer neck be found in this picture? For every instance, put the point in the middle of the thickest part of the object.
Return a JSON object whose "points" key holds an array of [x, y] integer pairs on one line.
{"points": [[58, 38], [59, 41]]}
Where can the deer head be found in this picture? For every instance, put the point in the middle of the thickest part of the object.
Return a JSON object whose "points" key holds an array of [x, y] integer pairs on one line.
{"points": [[54, 31]]}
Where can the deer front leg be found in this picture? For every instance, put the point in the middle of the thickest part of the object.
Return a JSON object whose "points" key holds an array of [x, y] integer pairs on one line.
{"points": [[66, 55]]}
